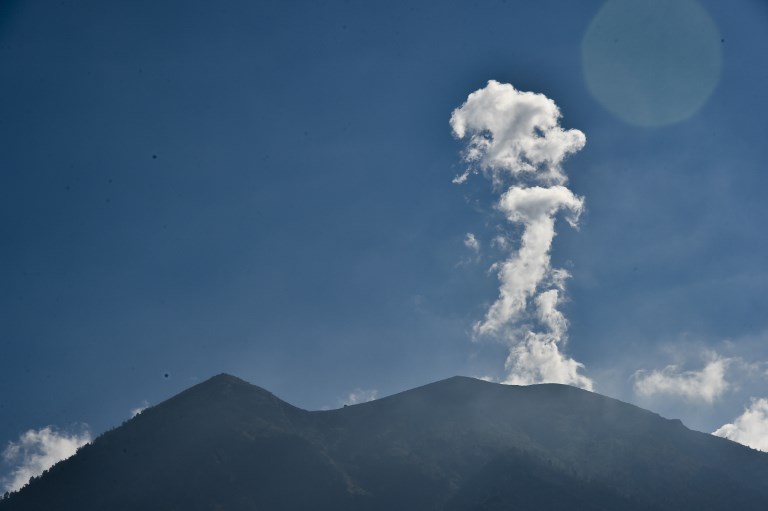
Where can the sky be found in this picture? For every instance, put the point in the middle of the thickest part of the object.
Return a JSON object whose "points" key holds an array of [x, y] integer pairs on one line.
{"points": [[305, 195]]}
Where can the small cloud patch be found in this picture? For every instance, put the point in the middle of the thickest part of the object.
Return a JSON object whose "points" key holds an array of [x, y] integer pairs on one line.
{"points": [[358, 396], [136, 411], [705, 385], [471, 243]]}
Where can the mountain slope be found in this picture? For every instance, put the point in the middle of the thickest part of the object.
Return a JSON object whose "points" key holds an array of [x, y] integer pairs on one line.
{"points": [[458, 444]]}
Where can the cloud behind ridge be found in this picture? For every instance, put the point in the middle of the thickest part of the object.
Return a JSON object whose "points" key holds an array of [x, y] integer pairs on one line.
{"points": [[749, 428], [37, 451]]}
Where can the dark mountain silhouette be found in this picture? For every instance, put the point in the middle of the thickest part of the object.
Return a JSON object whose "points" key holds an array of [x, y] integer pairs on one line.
{"points": [[458, 444]]}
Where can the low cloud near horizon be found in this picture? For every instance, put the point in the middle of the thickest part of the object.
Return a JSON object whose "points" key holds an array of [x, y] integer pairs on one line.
{"points": [[136, 411], [749, 428], [358, 396], [705, 385], [38, 450]]}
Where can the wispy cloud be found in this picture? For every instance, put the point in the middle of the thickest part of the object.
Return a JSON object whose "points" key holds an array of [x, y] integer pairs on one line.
{"points": [[704, 385], [471, 243], [358, 396], [515, 139], [749, 428], [143, 406], [38, 450]]}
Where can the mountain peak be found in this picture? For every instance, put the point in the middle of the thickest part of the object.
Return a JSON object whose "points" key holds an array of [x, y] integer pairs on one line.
{"points": [[225, 382], [457, 444], [225, 379], [225, 376]]}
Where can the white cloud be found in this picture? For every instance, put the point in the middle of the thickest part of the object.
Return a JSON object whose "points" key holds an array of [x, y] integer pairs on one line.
{"points": [[359, 396], [515, 136], [143, 406], [39, 450], [706, 385], [538, 359], [514, 132], [471, 243], [500, 242], [546, 309], [749, 428], [461, 178], [524, 271]]}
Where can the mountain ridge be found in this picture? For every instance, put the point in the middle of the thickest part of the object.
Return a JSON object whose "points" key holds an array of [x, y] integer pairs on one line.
{"points": [[455, 444]]}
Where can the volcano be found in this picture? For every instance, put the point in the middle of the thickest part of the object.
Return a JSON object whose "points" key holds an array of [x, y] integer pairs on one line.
{"points": [[457, 444]]}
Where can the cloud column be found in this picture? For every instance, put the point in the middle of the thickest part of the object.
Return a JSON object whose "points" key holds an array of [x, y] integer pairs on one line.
{"points": [[515, 140]]}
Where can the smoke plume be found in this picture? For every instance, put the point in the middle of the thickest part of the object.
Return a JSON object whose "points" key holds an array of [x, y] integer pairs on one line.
{"points": [[514, 138]]}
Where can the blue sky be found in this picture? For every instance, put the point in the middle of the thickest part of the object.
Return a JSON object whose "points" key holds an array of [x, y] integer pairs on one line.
{"points": [[265, 189]]}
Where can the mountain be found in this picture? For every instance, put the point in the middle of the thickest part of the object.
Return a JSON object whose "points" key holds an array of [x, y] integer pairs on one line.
{"points": [[458, 444]]}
